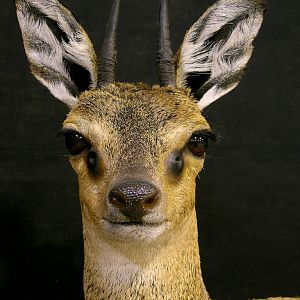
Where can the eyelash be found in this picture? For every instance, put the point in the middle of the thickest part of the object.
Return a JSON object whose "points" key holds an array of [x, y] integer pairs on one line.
{"points": [[75, 142], [199, 141]]}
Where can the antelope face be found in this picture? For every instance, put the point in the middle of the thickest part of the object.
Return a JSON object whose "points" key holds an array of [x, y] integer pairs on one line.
{"points": [[136, 149], [136, 155]]}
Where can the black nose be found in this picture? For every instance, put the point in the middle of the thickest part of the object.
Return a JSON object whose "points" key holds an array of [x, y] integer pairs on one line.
{"points": [[134, 198]]}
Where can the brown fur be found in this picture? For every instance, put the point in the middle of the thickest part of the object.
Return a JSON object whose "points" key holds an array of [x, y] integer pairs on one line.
{"points": [[135, 131], [134, 128]]}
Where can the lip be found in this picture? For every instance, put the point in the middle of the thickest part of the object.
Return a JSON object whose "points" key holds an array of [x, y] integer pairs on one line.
{"points": [[137, 224], [134, 231]]}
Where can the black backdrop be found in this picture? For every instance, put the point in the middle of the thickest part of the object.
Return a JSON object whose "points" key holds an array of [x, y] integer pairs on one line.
{"points": [[248, 194]]}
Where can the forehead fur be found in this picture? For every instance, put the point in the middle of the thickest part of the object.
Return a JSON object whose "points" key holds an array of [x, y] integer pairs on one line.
{"points": [[128, 103]]}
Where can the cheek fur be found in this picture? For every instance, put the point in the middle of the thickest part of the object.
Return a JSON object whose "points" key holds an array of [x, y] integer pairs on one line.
{"points": [[92, 198], [181, 193], [78, 165], [92, 190]]}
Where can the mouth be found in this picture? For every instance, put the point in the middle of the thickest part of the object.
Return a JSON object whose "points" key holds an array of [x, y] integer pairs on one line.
{"points": [[134, 231], [142, 224]]}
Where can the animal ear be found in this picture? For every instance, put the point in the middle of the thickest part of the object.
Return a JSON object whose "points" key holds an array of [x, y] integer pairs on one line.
{"points": [[217, 48], [60, 53]]}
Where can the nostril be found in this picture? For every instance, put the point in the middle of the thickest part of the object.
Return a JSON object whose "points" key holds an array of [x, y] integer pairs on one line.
{"points": [[150, 201], [117, 199]]}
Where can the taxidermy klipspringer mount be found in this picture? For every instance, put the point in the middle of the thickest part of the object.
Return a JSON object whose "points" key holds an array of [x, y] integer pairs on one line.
{"points": [[137, 149]]}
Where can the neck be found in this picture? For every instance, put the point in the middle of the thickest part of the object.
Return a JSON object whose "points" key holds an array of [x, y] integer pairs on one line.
{"points": [[127, 271]]}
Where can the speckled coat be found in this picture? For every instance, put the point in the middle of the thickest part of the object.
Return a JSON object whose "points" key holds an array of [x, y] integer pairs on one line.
{"points": [[140, 263], [139, 135]]}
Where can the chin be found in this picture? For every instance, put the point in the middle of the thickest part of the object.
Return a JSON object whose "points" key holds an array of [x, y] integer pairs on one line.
{"points": [[129, 232]]}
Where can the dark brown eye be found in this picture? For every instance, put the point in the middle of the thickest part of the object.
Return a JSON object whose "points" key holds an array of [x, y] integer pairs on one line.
{"points": [[75, 142], [198, 143]]}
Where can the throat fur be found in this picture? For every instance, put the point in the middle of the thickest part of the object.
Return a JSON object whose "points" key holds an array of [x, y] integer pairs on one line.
{"points": [[173, 273]]}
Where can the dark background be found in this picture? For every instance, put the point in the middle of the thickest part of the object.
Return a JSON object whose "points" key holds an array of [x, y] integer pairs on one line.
{"points": [[248, 194]]}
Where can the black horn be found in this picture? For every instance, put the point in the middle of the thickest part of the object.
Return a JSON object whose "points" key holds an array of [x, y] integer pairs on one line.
{"points": [[166, 66], [109, 52]]}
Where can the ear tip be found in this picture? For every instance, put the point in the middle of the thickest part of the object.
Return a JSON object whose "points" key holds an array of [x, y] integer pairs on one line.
{"points": [[264, 5], [261, 4], [17, 3], [21, 2], [261, 8], [21, 5]]}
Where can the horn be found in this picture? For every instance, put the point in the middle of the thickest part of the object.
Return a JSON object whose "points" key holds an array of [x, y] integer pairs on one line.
{"points": [[108, 59], [166, 65]]}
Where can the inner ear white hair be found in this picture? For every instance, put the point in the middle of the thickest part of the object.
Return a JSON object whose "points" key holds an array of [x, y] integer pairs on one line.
{"points": [[217, 48], [60, 53]]}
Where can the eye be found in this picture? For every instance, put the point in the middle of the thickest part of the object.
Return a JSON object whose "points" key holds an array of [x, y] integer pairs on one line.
{"points": [[75, 142], [198, 143]]}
